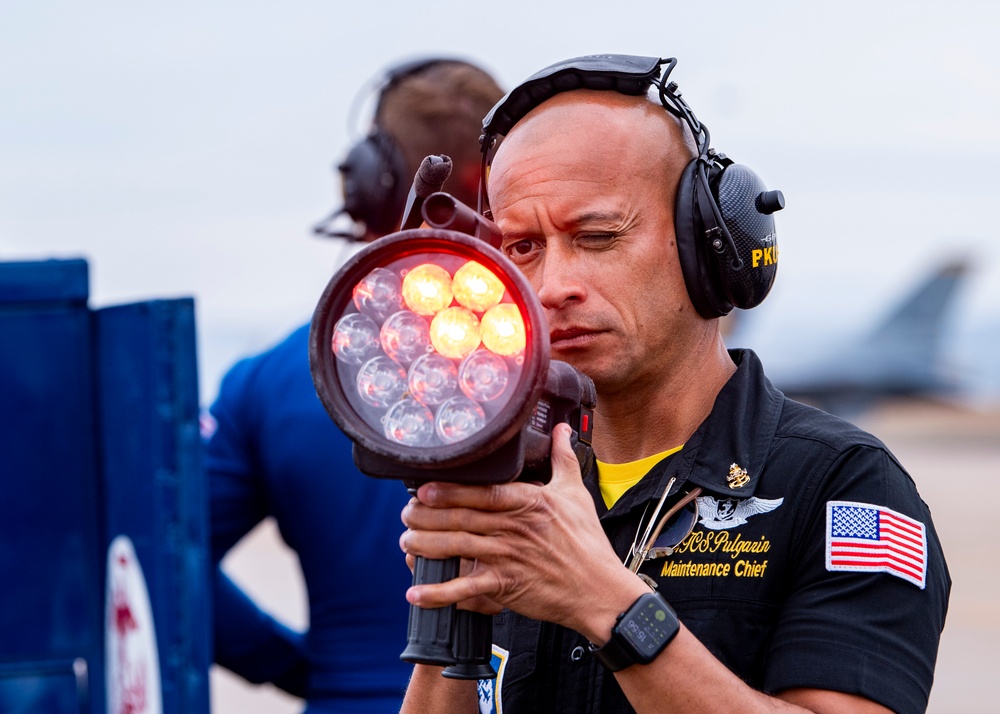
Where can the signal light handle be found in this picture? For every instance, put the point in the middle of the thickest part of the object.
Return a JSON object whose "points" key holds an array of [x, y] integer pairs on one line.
{"points": [[433, 171], [472, 645], [429, 631]]}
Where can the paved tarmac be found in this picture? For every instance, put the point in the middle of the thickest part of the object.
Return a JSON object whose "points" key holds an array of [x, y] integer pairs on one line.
{"points": [[953, 455]]}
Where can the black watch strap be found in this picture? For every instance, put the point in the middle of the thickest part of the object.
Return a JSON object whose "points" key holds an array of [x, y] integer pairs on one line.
{"points": [[612, 655], [651, 620]]}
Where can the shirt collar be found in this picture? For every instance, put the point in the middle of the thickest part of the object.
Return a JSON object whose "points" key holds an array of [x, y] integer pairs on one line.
{"points": [[727, 452]]}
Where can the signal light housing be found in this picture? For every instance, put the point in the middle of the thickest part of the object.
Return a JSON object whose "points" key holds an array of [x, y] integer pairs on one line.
{"points": [[429, 349]]}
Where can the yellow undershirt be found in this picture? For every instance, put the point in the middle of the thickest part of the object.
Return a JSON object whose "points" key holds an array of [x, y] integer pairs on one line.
{"points": [[616, 479]]}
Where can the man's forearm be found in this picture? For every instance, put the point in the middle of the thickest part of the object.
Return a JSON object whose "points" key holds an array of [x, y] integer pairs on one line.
{"points": [[686, 677], [430, 693], [254, 645]]}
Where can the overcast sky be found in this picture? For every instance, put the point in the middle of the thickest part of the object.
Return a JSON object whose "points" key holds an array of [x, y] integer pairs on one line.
{"points": [[186, 148]]}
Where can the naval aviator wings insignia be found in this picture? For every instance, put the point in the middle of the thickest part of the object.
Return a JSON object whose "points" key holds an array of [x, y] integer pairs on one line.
{"points": [[723, 513]]}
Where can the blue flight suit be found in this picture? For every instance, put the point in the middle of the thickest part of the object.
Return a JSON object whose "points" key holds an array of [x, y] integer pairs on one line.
{"points": [[275, 452]]}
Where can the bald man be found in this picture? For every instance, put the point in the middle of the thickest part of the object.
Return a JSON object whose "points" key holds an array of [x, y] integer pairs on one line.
{"points": [[745, 610]]}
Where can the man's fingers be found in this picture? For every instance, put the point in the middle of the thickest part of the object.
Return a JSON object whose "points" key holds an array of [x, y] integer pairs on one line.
{"points": [[418, 516], [564, 461], [469, 588], [494, 497], [447, 544]]}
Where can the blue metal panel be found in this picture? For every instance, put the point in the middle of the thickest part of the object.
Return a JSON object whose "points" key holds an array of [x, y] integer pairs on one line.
{"points": [[50, 687], [45, 281], [51, 559], [98, 437], [150, 449]]}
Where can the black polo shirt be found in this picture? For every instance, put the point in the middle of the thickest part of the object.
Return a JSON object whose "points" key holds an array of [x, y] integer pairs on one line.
{"points": [[814, 563]]}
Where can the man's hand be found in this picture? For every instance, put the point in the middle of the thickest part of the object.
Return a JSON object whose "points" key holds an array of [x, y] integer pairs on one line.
{"points": [[538, 550], [477, 604]]}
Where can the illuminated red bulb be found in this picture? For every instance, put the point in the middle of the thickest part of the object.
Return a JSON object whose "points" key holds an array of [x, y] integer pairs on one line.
{"points": [[502, 330], [455, 332], [476, 287], [427, 289]]}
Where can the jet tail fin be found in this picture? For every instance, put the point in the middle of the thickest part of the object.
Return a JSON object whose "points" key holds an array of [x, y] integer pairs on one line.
{"points": [[917, 323]]}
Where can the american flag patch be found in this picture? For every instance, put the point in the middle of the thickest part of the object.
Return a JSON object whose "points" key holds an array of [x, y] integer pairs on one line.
{"points": [[865, 538]]}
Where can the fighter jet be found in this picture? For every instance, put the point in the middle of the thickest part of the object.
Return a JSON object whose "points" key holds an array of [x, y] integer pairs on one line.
{"points": [[900, 357]]}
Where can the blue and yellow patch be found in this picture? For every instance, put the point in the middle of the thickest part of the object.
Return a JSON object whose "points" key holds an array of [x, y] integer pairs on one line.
{"points": [[491, 690]]}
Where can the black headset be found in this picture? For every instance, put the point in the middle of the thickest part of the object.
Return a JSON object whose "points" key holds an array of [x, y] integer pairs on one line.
{"points": [[723, 211], [374, 173]]}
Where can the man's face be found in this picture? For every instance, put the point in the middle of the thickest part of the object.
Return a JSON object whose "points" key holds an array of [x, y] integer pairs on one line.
{"points": [[583, 191]]}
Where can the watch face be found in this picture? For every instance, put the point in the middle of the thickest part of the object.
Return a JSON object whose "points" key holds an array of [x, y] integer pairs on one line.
{"points": [[648, 626]]}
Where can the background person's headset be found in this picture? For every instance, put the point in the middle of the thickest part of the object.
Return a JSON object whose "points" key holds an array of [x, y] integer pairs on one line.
{"points": [[374, 173], [722, 214]]}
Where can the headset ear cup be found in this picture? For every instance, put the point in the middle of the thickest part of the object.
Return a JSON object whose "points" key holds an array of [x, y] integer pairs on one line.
{"points": [[747, 281], [374, 182], [717, 282], [697, 261], [359, 178]]}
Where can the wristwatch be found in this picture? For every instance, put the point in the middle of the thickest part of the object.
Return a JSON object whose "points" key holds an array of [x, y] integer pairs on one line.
{"points": [[639, 634]]}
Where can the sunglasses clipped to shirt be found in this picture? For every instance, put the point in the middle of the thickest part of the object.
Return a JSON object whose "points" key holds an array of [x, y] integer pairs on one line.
{"points": [[664, 533]]}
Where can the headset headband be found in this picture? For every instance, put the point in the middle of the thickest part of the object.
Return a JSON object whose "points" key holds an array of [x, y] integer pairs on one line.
{"points": [[404, 70], [622, 73], [626, 74]]}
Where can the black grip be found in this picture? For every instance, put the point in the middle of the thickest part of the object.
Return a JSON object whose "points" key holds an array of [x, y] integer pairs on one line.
{"points": [[429, 631], [472, 644]]}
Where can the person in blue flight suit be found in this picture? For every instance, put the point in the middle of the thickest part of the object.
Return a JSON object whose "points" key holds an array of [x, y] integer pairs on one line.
{"points": [[733, 550], [275, 452]]}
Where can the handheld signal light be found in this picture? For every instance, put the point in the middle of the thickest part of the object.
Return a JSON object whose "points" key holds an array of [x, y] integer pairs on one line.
{"points": [[430, 350]]}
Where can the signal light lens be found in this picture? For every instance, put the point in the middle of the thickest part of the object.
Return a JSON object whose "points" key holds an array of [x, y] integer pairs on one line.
{"points": [[422, 349], [432, 379], [355, 339], [502, 330], [381, 382], [379, 294], [413, 366], [455, 332], [410, 423], [427, 289], [483, 376], [476, 287], [458, 419], [405, 336]]}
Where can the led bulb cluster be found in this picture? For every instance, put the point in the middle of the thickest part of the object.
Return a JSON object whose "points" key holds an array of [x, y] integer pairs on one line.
{"points": [[431, 349]]}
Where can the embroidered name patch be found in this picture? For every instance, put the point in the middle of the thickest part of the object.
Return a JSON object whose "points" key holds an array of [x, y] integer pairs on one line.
{"points": [[861, 537]]}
